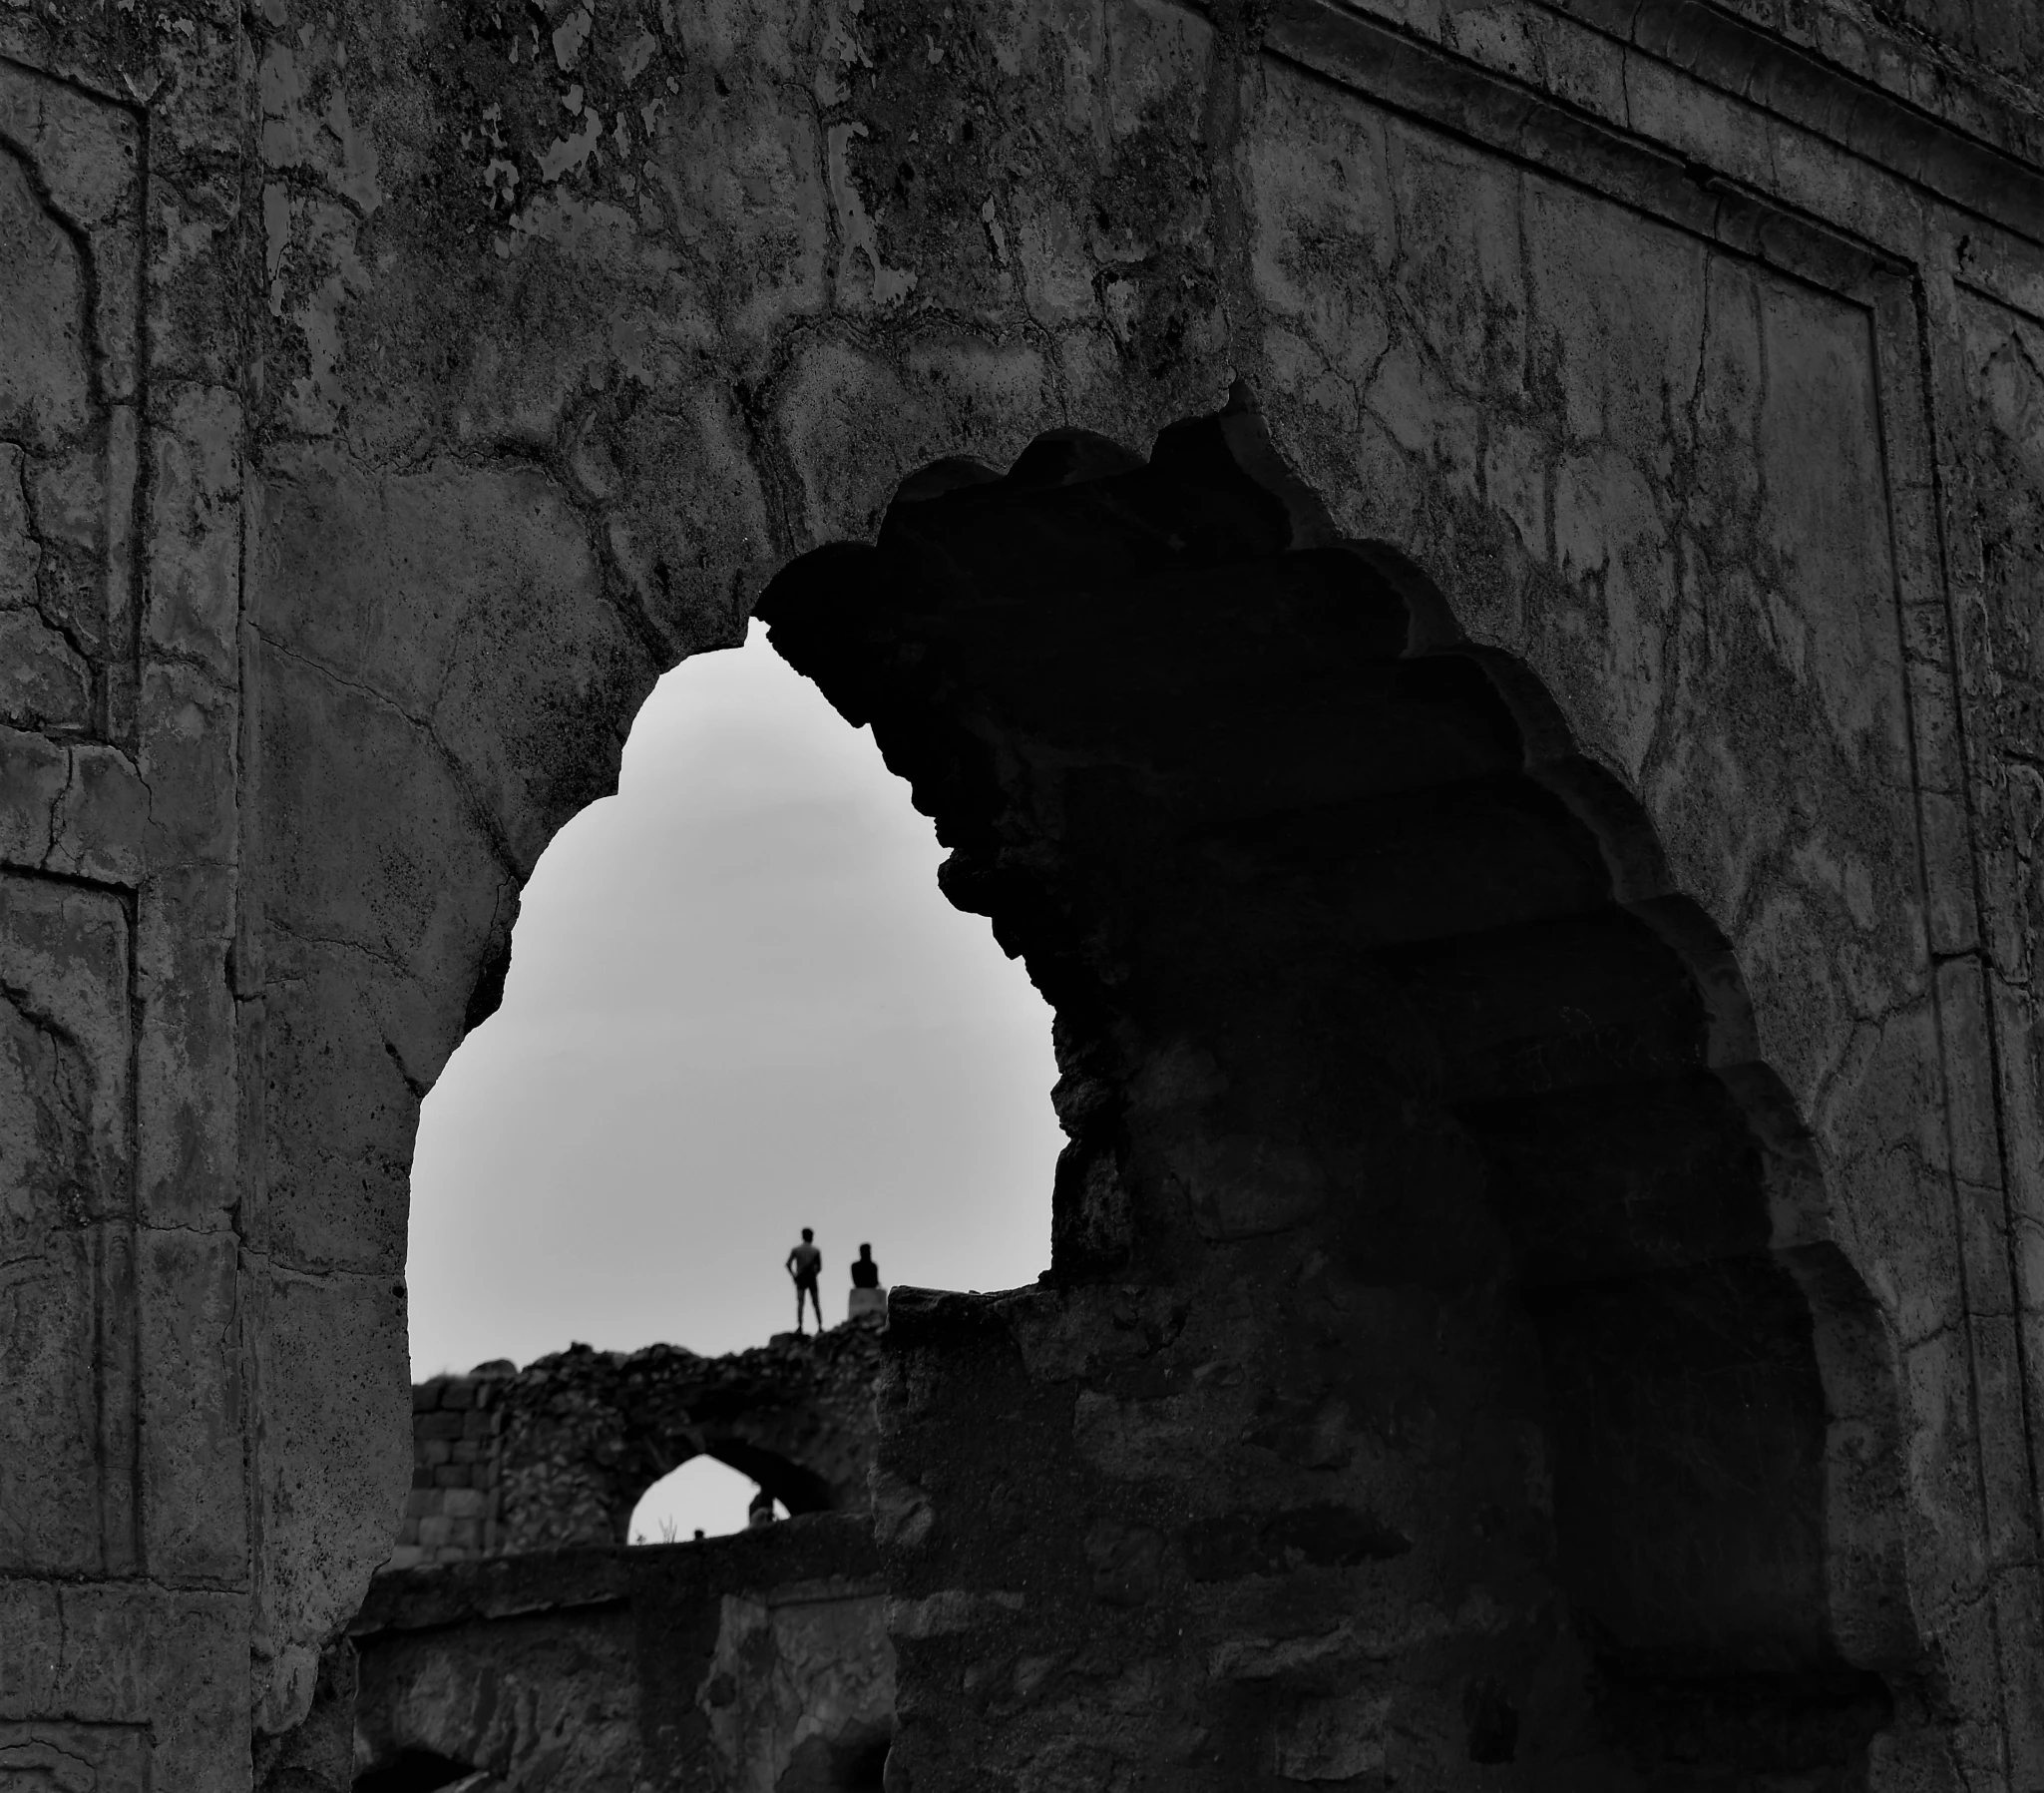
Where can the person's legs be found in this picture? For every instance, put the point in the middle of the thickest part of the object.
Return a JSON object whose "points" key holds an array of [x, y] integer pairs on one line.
{"points": [[815, 1301]]}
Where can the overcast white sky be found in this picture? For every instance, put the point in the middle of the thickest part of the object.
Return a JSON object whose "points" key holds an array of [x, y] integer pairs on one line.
{"points": [[737, 1006]]}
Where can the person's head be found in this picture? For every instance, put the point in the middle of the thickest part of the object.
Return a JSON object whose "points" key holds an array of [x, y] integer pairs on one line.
{"points": [[865, 1250], [807, 1235]]}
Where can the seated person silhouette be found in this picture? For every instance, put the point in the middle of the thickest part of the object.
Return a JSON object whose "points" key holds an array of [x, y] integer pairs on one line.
{"points": [[805, 1265], [869, 1301]]}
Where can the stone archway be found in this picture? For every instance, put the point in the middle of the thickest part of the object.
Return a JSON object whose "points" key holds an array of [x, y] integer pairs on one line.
{"points": [[1693, 352], [586, 1433], [1796, 1664], [1439, 1272]]}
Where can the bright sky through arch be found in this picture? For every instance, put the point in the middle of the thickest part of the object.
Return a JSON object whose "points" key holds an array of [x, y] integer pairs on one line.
{"points": [[737, 1006]]}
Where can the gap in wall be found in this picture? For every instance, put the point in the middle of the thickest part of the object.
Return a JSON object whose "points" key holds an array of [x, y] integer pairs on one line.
{"points": [[703, 1495], [737, 1005]]}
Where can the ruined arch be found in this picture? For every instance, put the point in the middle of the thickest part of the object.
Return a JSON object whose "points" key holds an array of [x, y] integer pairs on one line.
{"points": [[1378, 1006], [586, 1433], [406, 495]]}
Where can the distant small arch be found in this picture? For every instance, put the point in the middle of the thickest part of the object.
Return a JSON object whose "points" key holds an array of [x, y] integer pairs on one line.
{"points": [[703, 1498]]}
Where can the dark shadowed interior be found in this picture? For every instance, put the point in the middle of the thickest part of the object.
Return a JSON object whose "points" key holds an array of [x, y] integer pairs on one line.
{"points": [[1371, 1000]]}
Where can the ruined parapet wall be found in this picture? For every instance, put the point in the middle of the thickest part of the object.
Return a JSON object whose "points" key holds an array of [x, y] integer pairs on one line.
{"points": [[560, 1453], [586, 1433]]}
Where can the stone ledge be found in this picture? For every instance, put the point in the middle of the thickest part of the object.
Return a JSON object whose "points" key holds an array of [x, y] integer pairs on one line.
{"points": [[801, 1558]]}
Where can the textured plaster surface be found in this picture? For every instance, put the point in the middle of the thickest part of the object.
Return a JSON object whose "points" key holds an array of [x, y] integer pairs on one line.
{"points": [[387, 397]]}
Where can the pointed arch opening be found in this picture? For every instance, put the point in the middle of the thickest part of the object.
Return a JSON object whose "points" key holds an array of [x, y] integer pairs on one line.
{"points": [[701, 1499], [735, 1006], [1382, 1022]]}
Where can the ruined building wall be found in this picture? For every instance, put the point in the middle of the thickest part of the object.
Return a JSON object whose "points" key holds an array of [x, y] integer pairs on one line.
{"points": [[560, 1452], [389, 395], [513, 1633], [451, 1512], [740, 1664]]}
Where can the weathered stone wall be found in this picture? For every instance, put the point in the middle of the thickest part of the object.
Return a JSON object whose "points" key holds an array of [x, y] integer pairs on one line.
{"points": [[741, 1664], [452, 1511], [387, 396], [586, 1433], [198, 1422], [561, 1451]]}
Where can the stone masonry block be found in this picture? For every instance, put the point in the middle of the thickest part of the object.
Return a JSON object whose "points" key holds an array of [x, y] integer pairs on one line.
{"points": [[343, 1114], [195, 1504], [186, 1170], [335, 1462]]}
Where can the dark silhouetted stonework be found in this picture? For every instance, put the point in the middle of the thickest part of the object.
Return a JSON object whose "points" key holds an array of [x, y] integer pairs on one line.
{"points": [[755, 1661], [1460, 585], [509, 1637], [561, 1451]]}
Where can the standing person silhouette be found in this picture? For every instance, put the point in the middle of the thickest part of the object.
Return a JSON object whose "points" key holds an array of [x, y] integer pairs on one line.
{"points": [[805, 1265]]}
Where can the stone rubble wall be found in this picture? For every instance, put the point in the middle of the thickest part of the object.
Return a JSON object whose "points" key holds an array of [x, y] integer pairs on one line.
{"points": [[560, 1452]]}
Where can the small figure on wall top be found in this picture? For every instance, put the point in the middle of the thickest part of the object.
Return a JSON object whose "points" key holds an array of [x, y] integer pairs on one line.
{"points": [[805, 1265], [869, 1299]]}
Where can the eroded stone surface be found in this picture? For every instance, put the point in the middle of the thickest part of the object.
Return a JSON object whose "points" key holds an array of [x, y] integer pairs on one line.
{"points": [[386, 397]]}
